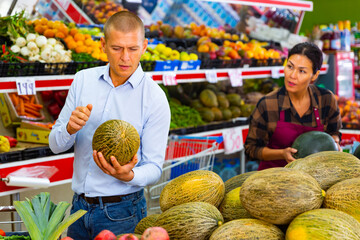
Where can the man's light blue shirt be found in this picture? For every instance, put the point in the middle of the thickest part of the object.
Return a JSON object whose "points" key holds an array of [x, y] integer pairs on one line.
{"points": [[139, 101]]}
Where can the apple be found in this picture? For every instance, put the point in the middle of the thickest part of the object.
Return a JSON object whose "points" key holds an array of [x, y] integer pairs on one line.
{"points": [[175, 55], [105, 235], [67, 238], [155, 233]]}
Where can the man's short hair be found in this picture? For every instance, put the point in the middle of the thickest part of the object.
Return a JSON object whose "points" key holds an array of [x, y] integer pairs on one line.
{"points": [[124, 21]]}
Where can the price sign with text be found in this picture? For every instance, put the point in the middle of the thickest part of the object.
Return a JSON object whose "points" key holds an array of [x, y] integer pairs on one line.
{"points": [[26, 86], [211, 76], [275, 72], [233, 140], [235, 76], [169, 79]]}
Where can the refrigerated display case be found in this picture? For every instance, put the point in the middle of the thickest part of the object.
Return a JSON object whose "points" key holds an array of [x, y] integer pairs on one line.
{"points": [[340, 76]]}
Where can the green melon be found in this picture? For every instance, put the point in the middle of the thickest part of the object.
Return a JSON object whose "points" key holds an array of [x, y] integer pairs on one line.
{"points": [[278, 195], [196, 104], [190, 221], [223, 101], [116, 138], [226, 113], [145, 223], [235, 111], [195, 186], [247, 229], [356, 153], [323, 224], [208, 98], [218, 114], [345, 196], [234, 99], [231, 207], [313, 142], [206, 114], [328, 167], [136, 235], [237, 181]]}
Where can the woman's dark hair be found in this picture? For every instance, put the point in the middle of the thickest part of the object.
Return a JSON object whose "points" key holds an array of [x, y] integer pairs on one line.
{"points": [[311, 51]]}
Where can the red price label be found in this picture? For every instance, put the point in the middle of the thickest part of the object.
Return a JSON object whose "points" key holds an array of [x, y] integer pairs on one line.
{"points": [[233, 140]]}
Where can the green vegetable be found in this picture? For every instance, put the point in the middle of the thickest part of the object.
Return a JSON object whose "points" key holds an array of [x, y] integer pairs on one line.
{"points": [[43, 219], [15, 237], [15, 26], [184, 116]]}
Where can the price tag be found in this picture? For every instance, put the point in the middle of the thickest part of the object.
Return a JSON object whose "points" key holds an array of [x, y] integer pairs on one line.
{"points": [[233, 140], [211, 76], [26, 86], [235, 76], [275, 72], [169, 79]]}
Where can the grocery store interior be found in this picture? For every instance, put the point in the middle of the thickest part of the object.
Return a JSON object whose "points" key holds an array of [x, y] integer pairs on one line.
{"points": [[214, 59]]}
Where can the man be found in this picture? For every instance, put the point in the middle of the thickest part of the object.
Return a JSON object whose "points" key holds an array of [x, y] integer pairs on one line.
{"points": [[113, 194]]}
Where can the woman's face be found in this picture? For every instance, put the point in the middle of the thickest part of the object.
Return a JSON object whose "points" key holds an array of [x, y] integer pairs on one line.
{"points": [[299, 74]]}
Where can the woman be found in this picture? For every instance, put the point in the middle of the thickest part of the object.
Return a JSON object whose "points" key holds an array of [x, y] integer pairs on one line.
{"points": [[298, 107]]}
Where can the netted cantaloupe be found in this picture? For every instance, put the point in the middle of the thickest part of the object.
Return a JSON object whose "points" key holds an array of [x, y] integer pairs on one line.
{"points": [[195, 186], [247, 229], [323, 224], [223, 101], [231, 207], [345, 196], [116, 138], [145, 223], [190, 221], [278, 195], [237, 181], [234, 99], [226, 113], [217, 113], [208, 98], [313, 142], [206, 114], [328, 167]]}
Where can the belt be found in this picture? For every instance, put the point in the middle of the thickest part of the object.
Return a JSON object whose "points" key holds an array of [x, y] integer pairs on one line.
{"points": [[109, 199]]}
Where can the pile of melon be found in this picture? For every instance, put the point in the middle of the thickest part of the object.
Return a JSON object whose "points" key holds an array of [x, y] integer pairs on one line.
{"points": [[315, 197]]}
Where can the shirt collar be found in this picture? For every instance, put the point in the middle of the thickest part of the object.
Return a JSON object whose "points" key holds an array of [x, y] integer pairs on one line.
{"points": [[286, 99], [134, 79]]}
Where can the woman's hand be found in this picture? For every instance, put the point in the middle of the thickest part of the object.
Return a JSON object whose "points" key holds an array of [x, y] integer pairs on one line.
{"points": [[123, 173], [337, 141], [288, 154]]}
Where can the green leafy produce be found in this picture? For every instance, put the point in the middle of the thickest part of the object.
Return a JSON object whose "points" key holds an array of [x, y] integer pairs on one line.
{"points": [[15, 237], [82, 57], [14, 26], [184, 116], [6, 55], [43, 219]]}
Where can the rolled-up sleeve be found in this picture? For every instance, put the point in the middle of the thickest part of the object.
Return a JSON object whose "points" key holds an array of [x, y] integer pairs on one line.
{"points": [[258, 135]]}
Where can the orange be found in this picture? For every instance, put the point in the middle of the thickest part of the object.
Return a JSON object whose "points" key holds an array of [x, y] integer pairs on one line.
{"points": [[73, 31], [43, 21], [80, 49], [88, 42], [79, 37], [96, 55], [89, 50], [71, 44], [60, 35], [49, 33], [103, 57], [64, 29], [87, 36], [79, 43], [39, 29], [50, 24]]}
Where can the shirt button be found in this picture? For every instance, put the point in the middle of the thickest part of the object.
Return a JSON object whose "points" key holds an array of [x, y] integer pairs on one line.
{"points": [[315, 108], [89, 173], [317, 118]]}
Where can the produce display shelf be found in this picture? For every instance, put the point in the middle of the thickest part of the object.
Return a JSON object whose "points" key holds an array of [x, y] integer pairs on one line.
{"points": [[59, 82]]}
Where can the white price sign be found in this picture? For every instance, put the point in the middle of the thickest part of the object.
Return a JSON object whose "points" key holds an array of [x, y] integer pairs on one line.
{"points": [[233, 140], [169, 79], [26, 86], [211, 76], [275, 72], [235, 76]]}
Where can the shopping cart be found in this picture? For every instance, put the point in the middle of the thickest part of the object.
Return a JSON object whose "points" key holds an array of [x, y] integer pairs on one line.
{"points": [[184, 154]]}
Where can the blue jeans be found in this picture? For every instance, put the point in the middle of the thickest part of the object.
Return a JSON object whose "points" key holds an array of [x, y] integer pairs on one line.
{"points": [[120, 217]]}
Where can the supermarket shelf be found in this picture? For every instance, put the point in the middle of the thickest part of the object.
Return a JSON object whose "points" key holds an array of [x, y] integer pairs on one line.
{"points": [[290, 4], [58, 82], [72, 11]]}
